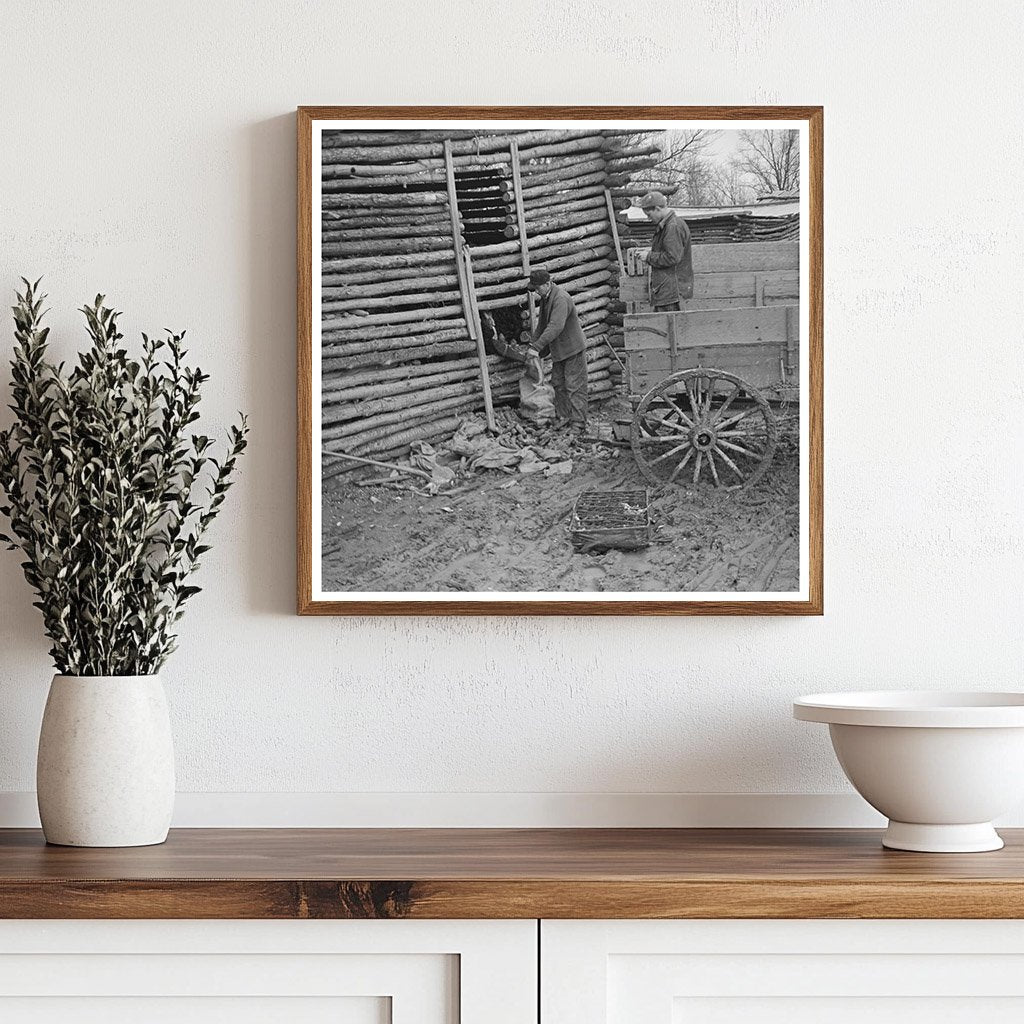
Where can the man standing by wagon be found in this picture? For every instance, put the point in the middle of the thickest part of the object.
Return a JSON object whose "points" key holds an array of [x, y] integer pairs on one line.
{"points": [[669, 257], [559, 331]]}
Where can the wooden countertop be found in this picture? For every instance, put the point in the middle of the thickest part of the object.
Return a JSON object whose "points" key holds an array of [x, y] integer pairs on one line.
{"points": [[508, 873]]}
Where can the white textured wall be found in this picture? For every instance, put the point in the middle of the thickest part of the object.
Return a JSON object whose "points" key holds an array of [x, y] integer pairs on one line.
{"points": [[147, 150]]}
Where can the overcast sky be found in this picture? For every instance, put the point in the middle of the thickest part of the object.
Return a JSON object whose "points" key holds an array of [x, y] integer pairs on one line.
{"points": [[725, 144]]}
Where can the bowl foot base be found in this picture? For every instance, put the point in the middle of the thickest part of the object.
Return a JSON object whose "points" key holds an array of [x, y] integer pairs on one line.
{"points": [[979, 838]]}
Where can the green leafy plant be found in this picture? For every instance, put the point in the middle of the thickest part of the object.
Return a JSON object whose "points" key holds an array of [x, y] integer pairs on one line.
{"points": [[109, 495]]}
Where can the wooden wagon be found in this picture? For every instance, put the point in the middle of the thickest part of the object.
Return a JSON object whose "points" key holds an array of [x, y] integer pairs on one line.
{"points": [[708, 383]]}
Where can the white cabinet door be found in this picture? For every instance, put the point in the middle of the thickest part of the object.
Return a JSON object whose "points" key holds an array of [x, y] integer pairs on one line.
{"points": [[258, 972], [782, 972]]}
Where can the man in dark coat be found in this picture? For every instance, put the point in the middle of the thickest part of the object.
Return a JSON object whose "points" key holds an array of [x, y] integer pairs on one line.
{"points": [[559, 331], [669, 258]]}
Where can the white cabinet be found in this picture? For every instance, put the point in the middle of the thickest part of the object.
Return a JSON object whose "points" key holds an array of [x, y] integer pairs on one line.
{"points": [[486, 972], [782, 972], [258, 972]]}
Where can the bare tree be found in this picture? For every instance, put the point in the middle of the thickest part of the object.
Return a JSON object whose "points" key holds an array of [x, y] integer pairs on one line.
{"points": [[771, 159], [689, 169], [696, 176], [683, 145], [709, 182], [730, 186], [678, 149]]}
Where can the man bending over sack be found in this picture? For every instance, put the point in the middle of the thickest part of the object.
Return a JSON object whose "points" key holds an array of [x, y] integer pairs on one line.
{"points": [[559, 331]]}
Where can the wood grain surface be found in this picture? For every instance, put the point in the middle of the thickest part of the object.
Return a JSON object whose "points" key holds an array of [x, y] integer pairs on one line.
{"points": [[508, 873]]}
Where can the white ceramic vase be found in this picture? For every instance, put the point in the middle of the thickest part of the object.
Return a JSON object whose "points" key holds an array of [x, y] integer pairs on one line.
{"points": [[105, 771]]}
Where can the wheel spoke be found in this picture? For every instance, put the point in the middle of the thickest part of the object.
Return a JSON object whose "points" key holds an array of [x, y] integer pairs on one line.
{"points": [[732, 465], [679, 412], [739, 416], [758, 442], [671, 424], [756, 456], [670, 452], [723, 408], [709, 398], [697, 465], [658, 438], [690, 385], [713, 467], [661, 413], [686, 459]]}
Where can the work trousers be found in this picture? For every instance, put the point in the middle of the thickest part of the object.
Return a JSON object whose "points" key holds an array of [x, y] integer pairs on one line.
{"points": [[671, 307], [569, 381]]}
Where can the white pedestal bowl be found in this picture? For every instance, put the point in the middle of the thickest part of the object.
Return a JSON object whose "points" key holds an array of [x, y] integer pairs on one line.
{"points": [[940, 766]]}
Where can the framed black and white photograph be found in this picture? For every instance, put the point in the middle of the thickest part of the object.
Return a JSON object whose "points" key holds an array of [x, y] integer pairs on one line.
{"points": [[559, 360]]}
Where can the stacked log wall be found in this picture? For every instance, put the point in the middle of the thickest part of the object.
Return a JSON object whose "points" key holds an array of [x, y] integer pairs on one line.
{"points": [[399, 359]]}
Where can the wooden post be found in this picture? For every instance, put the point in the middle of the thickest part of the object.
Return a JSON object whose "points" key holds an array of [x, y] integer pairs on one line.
{"points": [[517, 189], [673, 344], [464, 271], [615, 230], [485, 377], [460, 269]]}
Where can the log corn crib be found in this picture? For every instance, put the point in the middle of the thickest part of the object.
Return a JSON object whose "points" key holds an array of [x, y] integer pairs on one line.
{"points": [[397, 210]]}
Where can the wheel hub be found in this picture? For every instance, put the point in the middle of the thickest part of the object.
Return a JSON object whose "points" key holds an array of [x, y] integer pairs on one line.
{"points": [[702, 438]]}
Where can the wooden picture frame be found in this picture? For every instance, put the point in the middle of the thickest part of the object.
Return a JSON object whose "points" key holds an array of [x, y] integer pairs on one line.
{"points": [[810, 599]]}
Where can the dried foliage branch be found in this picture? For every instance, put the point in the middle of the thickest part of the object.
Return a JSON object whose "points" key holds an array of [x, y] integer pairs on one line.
{"points": [[108, 494]]}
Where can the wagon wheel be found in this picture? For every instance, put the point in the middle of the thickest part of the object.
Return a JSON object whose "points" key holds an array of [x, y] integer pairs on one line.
{"points": [[704, 424]]}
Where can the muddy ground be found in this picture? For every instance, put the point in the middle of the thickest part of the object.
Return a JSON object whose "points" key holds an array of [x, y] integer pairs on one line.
{"points": [[505, 531]]}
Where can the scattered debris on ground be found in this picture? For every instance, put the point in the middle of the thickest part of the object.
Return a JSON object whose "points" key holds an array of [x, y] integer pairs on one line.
{"points": [[517, 447], [493, 513]]}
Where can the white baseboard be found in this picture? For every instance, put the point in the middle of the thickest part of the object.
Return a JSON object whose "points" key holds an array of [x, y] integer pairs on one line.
{"points": [[495, 810], [503, 810]]}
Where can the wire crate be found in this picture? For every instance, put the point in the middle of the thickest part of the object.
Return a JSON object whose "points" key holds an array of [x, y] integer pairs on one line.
{"points": [[611, 519]]}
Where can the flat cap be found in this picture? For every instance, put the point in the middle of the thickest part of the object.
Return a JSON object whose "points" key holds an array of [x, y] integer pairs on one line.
{"points": [[653, 200], [539, 276]]}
